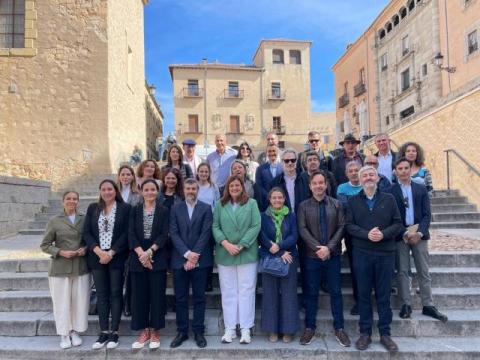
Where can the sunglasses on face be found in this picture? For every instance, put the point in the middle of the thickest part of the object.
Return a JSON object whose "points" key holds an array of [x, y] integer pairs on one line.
{"points": [[291, 161], [371, 163], [313, 141], [245, 148]]}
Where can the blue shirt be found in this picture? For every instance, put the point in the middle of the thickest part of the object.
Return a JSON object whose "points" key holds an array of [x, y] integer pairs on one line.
{"points": [[371, 202], [348, 189], [408, 200], [220, 165]]}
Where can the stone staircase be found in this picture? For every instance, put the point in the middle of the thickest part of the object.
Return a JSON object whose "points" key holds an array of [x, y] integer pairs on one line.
{"points": [[449, 209], [27, 328]]}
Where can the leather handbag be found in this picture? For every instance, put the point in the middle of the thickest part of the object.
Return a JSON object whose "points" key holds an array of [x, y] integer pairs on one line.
{"points": [[273, 265]]}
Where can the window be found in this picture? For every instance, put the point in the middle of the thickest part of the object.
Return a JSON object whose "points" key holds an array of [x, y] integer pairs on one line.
{"points": [[277, 56], [277, 123], [424, 69], [407, 112], [472, 42], [193, 89], [387, 120], [403, 13], [342, 126], [234, 124], [233, 89], [381, 34], [405, 45], [405, 79], [295, 57], [389, 27], [345, 88], [193, 123], [384, 61], [396, 20], [411, 5], [361, 79], [276, 90], [281, 144], [12, 23]]}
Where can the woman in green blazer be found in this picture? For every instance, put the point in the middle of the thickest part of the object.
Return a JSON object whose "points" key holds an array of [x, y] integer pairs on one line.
{"points": [[236, 225], [68, 277]]}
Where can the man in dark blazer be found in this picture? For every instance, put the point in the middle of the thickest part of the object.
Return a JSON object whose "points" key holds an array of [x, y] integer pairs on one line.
{"points": [[414, 205], [192, 256], [267, 172], [374, 223], [349, 153], [321, 223]]}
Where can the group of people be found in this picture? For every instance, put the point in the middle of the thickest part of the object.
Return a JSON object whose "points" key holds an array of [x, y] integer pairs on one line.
{"points": [[288, 211]]}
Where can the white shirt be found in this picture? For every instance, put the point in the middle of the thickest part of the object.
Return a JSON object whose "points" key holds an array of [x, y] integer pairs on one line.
{"points": [[72, 218], [209, 194], [190, 208], [193, 162], [290, 185], [126, 193], [385, 165]]}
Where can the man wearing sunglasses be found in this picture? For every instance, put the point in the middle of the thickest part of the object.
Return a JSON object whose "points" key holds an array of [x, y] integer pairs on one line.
{"points": [[349, 153], [314, 144], [414, 205]]}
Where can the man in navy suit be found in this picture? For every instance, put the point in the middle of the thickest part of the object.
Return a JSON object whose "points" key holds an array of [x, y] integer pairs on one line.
{"points": [[192, 255], [268, 171], [414, 205]]}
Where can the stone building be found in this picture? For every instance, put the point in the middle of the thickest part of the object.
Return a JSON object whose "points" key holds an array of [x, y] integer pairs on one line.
{"points": [[154, 123], [247, 101], [391, 75], [72, 86]]}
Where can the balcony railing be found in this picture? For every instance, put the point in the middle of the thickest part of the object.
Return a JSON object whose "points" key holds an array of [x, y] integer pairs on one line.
{"points": [[233, 94], [192, 92], [343, 101], [276, 95], [279, 130], [359, 89]]}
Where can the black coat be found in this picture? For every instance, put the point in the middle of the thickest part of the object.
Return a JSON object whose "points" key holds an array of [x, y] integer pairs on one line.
{"points": [[302, 191], [119, 239], [159, 236], [338, 167], [191, 235], [421, 207]]}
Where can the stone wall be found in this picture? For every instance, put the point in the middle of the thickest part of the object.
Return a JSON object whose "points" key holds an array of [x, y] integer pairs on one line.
{"points": [[455, 125], [20, 199]]}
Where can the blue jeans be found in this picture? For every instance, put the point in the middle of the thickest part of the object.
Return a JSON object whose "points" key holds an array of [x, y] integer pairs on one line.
{"points": [[374, 270], [313, 270]]}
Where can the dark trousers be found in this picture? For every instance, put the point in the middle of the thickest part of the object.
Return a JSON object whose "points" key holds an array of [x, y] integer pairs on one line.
{"points": [[314, 268], [280, 302], [148, 299], [375, 271], [109, 287], [181, 283], [349, 246]]}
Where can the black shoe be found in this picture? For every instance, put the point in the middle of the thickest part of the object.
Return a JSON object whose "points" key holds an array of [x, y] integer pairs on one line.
{"points": [[354, 310], [179, 339], [101, 341], [388, 343], [363, 342], [434, 313], [200, 340], [405, 312]]}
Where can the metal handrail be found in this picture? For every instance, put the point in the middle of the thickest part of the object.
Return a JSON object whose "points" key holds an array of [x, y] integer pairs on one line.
{"points": [[465, 161]]}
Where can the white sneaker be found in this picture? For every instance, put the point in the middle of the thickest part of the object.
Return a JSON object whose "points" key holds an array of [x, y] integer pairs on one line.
{"points": [[76, 339], [65, 342], [245, 338], [229, 335], [112, 341], [101, 341]]}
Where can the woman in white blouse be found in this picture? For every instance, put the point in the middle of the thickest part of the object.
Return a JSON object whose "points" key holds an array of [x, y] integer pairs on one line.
{"points": [[208, 192], [105, 233], [127, 184]]}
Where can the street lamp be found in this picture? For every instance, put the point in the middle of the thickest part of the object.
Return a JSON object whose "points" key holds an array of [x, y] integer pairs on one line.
{"points": [[438, 61]]}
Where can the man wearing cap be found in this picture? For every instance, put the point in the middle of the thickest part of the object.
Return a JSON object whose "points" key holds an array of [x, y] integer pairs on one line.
{"points": [[349, 153], [190, 157]]}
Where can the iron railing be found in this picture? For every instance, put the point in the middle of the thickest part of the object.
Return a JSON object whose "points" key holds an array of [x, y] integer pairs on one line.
{"points": [[465, 161]]}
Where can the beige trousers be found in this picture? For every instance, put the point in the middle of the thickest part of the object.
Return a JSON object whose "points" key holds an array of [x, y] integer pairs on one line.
{"points": [[71, 300]]}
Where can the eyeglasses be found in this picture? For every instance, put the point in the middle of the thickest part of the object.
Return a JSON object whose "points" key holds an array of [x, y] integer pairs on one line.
{"points": [[371, 163], [311, 141], [405, 202], [291, 161], [245, 148]]}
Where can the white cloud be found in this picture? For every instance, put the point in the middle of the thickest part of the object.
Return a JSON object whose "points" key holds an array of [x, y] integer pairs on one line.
{"points": [[322, 106]]}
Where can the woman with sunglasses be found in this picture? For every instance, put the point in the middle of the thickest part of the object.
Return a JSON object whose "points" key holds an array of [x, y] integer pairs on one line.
{"points": [[245, 154], [105, 233]]}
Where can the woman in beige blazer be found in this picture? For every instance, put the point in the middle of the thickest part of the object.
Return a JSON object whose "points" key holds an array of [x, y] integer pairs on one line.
{"points": [[68, 277]]}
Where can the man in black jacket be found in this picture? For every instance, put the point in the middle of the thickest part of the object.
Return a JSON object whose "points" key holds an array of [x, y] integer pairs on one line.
{"points": [[374, 223], [414, 205], [349, 153]]}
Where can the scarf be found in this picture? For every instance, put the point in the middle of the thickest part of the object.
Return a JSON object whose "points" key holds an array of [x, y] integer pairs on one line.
{"points": [[277, 217]]}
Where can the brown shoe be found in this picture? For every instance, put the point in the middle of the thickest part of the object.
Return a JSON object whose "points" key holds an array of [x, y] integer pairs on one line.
{"points": [[363, 341], [342, 338], [388, 343], [307, 336]]}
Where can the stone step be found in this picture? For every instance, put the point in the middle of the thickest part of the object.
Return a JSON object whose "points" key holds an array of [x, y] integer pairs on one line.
{"points": [[453, 208], [31, 231], [446, 200], [445, 192], [446, 298], [47, 348], [437, 259], [42, 224], [456, 216], [441, 277], [460, 323], [455, 225]]}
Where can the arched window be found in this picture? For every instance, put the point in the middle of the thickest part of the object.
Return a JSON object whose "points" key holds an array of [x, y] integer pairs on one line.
{"points": [[395, 20], [389, 27], [381, 34], [411, 5], [403, 12], [277, 56]]}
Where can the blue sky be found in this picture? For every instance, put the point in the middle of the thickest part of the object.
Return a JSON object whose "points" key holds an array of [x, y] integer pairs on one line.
{"points": [[185, 31]]}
